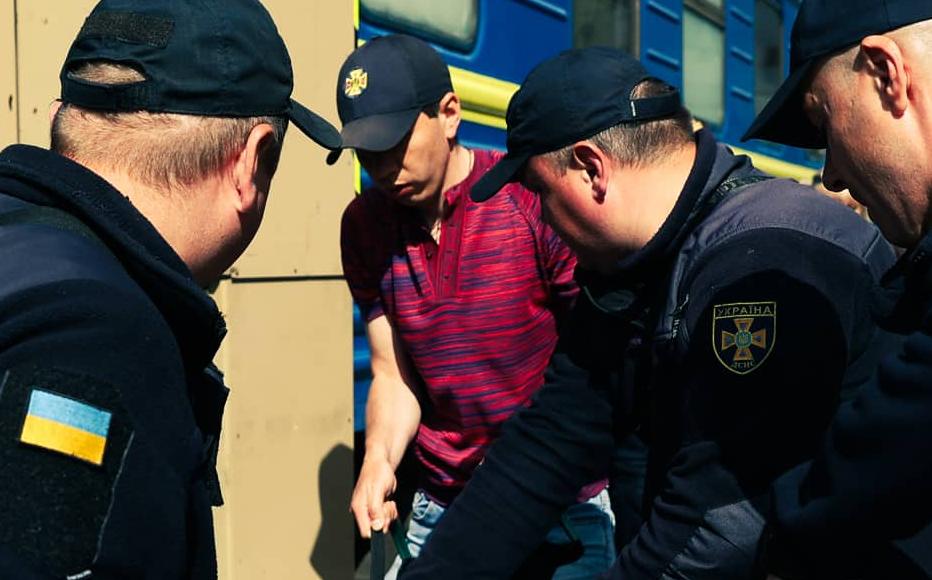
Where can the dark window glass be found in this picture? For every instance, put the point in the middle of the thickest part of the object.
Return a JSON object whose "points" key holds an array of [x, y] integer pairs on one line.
{"points": [[605, 23], [704, 60], [448, 22], [768, 51]]}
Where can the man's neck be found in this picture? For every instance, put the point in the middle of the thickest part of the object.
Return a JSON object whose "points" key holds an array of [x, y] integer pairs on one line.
{"points": [[169, 212], [459, 166], [657, 188]]}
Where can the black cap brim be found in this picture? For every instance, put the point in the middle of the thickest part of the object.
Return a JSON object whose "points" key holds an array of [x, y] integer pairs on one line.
{"points": [[506, 170], [379, 132], [314, 126], [375, 132], [783, 119]]}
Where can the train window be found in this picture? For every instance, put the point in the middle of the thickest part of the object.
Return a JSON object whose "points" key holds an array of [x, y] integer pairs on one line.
{"points": [[451, 23], [704, 60], [768, 51], [605, 23]]}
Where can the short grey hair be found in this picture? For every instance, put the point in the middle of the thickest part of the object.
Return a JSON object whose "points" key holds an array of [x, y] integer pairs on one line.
{"points": [[632, 144], [162, 150]]}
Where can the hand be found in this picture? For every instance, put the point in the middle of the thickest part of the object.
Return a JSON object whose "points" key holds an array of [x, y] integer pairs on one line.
{"points": [[371, 504]]}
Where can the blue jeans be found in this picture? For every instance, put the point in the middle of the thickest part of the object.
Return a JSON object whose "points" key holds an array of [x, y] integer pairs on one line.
{"points": [[592, 521]]}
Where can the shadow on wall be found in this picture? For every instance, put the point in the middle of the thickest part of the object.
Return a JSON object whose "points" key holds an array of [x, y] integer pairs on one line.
{"points": [[327, 556]]}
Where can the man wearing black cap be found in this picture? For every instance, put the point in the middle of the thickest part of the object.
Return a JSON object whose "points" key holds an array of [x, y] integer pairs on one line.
{"points": [[461, 299], [164, 145], [859, 87], [722, 313]]}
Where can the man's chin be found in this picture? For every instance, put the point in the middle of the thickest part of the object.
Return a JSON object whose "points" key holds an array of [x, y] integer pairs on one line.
{"points": [[895, 232]]}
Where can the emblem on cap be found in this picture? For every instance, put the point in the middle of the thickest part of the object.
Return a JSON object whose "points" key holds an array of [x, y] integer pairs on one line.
{"points": [[743, 334], [355, 83]]}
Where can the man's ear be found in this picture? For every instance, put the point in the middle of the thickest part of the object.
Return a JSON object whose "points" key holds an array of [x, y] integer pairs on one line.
{"points": [[53, 110], [450, 114], [884, 60], [594, 167], [251, 173]]}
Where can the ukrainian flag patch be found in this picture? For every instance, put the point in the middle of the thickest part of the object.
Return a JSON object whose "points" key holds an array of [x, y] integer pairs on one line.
{"points": [[67, 426]]}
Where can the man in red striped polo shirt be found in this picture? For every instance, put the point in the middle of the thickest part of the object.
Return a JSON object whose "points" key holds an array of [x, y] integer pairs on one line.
{"points": [[461, 299]]}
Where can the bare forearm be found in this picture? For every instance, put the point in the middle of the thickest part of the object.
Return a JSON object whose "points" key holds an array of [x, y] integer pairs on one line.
{"points": [[392, 418]]}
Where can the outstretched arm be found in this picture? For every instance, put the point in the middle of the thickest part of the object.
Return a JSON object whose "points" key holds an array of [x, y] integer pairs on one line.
{"points": [[393, 414], [530, 475]]}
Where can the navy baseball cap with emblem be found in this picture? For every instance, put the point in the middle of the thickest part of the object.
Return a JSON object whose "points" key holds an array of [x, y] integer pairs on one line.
{"points": [[823, 28], [568, 98], [218, 58], [383, 86]]}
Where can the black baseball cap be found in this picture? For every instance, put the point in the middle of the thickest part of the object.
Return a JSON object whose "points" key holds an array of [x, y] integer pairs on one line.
{"points": [[824, 27], [382, 87], [216, 58], [570, 97]]}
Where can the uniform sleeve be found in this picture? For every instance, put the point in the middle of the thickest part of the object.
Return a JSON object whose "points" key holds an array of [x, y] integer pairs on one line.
{"points": [[67, 353], [771, 323], [533, 471], [360, 252], [557, 260], [870, 480]]}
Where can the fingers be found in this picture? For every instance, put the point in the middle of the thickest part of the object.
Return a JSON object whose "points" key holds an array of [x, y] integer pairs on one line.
{"points": [[361, 513], [374, 518], [383, 515], [370, 508]]}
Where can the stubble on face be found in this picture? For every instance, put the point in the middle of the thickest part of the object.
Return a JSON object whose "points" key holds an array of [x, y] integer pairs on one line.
{"points": [[567, 207]]}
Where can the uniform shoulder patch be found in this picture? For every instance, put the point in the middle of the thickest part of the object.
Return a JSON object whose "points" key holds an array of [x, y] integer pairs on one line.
{"points": [[63, 424], [64, 438], [743, 334]]}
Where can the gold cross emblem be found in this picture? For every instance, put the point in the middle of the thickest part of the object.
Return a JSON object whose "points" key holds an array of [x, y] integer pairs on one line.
{"points": [[743, 339], [355, 83]]}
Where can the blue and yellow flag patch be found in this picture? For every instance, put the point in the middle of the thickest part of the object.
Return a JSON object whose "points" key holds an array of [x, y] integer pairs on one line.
{"points": [[67, 426]]}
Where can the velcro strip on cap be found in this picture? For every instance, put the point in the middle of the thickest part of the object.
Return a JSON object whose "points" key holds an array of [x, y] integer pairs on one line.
{"points": [[655, 107], [130, 27]]}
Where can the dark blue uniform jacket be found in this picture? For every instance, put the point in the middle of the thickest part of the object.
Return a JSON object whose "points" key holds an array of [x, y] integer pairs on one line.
{"points": [[871, 481], [98, 315], [726, 342]]}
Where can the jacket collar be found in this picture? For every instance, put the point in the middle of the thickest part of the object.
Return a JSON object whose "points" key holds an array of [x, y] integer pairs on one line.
{"points": [[643, 270], [909, 286]]}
